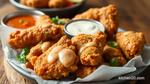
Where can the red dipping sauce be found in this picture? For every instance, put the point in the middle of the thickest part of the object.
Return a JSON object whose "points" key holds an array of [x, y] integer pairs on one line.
{"points": [[23, 21]]}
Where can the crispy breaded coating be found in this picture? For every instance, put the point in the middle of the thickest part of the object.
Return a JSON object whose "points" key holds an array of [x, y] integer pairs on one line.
{"points": [[91, 56], [44, 21], [84, 71], [32, 36], [82, 39], [90, 48], [131, 43], [34, 53], [35, 3], [106, 15], [110, 53], [55, 69], [37, 50]]}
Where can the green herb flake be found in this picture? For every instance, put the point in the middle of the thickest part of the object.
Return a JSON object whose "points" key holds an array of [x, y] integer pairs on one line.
{"points": [[46, 33], [113, 44], [89, 52], [40, 42], [114, 62], [22, 21], [61, 21], [57, 20], [22, 56]]}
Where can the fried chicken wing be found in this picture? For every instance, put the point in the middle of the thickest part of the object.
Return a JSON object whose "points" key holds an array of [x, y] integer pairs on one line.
{"points": [[111, 53], [90, 48], [58, 61], [131, 43], [106, 15], [35, 3], [42, 31]]}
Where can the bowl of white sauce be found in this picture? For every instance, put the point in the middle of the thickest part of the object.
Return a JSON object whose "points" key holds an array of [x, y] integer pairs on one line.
{"points": [[83, 26]]}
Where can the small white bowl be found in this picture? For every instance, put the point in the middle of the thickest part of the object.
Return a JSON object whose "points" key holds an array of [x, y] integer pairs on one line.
{"points": [[99, 27]]}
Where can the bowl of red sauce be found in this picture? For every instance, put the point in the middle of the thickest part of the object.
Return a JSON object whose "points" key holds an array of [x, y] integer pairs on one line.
{"points": [[21, 19]]}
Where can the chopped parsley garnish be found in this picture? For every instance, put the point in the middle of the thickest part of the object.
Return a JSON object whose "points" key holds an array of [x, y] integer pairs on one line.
{"points": [[113, 44], [22, 56], [89, 53], [40, 42], [57, 20], [114, 62], [22, 21], [46, 33], [61, 21]]}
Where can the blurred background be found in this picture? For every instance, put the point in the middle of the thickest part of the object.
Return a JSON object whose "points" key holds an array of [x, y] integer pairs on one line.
{"points": [[133, 15]]}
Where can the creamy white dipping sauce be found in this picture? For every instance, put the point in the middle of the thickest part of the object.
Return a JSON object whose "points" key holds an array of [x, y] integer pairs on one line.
{"points": [[84, 27], [65, 56], [53, 55]]}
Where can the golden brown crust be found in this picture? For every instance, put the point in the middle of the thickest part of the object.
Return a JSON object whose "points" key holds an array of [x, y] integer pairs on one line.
{"points": [[131, 43], [106, 15], [91, 56], [82, 39], [36, 51], [44, 21]]}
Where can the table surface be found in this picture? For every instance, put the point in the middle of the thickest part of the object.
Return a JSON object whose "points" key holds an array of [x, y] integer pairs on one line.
{"points": [[133, 15]]}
